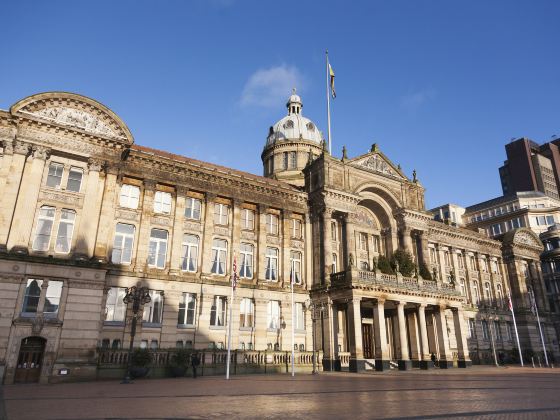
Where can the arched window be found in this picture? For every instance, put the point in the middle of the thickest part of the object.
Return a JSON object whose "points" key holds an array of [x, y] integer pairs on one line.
{"points": [[476, 292]]}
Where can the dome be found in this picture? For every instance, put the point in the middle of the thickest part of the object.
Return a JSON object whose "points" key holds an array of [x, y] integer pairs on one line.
{"points": [[294, 126]]}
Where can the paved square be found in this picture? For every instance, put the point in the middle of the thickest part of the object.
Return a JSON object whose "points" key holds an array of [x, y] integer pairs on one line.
{"points": [[488, 393]]}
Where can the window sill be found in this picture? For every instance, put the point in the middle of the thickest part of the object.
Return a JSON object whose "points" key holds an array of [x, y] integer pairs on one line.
{"points": [[113, 323], [273, 330], [186, 327], [151, 324], [248, 329], [217, 327], [296, 331]]}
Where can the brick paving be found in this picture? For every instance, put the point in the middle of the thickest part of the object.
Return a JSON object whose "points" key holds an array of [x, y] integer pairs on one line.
{"points": [[482, 393]]}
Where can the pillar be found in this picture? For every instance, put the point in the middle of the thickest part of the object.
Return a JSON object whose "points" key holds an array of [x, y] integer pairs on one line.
{"points": [[330, 353], [445, 357], [381, 347], [404, 359], [425, 357], [415, 349], [350, 243], [145, 224], [260, 260], [206, 251], [327, 246], [177, 235], [89, 218], [308, 256], [407, 240], [357, 362], [461, 336], [284, 257], [107, 216], [26, 203]]}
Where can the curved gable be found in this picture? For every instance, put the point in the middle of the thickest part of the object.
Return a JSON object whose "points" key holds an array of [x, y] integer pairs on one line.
{"points": [[74, 111]]}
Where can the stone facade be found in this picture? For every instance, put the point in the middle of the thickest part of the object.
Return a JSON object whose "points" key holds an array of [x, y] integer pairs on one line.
{"points": [[87, 213]]}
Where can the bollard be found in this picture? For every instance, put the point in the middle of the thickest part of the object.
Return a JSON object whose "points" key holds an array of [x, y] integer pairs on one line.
{"points": [[539, 359], [533, 361]]}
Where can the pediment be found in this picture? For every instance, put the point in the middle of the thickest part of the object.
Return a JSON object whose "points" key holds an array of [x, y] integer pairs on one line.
{"points": [[377, 162], [74, 111], [527, 238]]}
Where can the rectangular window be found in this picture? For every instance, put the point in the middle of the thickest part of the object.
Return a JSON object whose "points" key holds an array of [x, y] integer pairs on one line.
{"points": [[334, 263], [115, 308], [460, 261], [293, 160], [246, 263], [190, 253], [273, 315], [45, 223], [485, 331], [334, 231], [295, 267], [375, 243], [271, 264], [218, 311], [55, 175], [246, 313], [75, 179], [219, 255], [484, 265], [248, 219], [296, 229], [509, 331], [362, 239], [497, 229], [447, 258], [285, 160], [472, 328], [65, 231], [192, 208], [157, 250], [130, 195], [549, 220], [187, 309], [433, 255], [221, 214], [272, 224], [299, 314], [32, 295], [122, 244], [52, 298], [472, 260], [162, 202], [153, 311], [498, 331]]}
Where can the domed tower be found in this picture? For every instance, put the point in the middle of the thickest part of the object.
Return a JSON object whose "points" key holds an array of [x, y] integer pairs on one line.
{"points": [[289, 143]]}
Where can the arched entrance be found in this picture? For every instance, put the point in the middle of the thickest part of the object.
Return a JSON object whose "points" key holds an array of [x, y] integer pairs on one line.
{"points": [[30, 360]]}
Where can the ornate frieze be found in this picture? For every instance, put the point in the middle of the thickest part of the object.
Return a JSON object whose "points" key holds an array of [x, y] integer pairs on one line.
{"points": [[192, 226], [127, 215], [61, 197], [161, 221], [273, 240], [219, 230], [248, 235], [297, 244]]}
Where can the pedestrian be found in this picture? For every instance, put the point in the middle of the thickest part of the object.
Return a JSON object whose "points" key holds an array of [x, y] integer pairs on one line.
{"points": [[433, 357], [195, 361]]}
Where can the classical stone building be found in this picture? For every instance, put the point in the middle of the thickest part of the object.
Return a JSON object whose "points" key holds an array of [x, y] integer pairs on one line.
{"points": [[86, 213]]}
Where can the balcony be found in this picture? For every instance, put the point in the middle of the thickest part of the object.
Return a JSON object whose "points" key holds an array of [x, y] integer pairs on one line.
{"points": [[397, 281]]}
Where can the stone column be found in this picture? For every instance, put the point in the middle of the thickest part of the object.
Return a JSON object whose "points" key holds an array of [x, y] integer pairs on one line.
{"points": [[357, 362], [426, 362], [381, 347], [308, 257], [424, 246], [11, 169], [284, 257], [107, 217], [407, 240], [461, 336], [445, 357], [177, 235], [350, 243], [26, 204], [327, 246], [442, 275], [235, 236], [404, 360], [260, 324], [331, 325], [145, 225], [206, 251], [415, 352], [89, 218], [261, 245]]}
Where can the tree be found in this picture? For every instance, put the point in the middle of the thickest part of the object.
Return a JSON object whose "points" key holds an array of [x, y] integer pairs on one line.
{"points": [[405, 263], [384, 265]]}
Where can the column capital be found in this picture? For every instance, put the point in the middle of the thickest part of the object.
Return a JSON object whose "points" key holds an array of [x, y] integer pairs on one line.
{"points": [[112, 169], [263, 208], [287, 214], [422, 306], [95, 165], [8, 146], [150, 184], [381, 301], [442, 307], [401, 303], [181, 190], [41, 152], [21, 147]]}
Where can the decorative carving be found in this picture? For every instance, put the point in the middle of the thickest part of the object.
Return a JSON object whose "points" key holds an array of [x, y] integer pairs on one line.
{"points": [[41, 152], [221, 230], [296, 244], [67, 198], [149, 184], [37, 324], [273, 240], [21, 147], [362, 218], [526, 238], [248, 235], [8, 146], [193, 226], [162, 221], [95, 164], [376, 163], [127, 215], [75, 118]]}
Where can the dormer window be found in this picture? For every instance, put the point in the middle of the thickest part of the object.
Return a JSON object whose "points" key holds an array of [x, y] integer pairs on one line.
{"points": [[310, 126], [289, 124]]}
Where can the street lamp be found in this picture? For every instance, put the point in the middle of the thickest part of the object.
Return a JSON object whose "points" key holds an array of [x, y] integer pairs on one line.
{"points": [[137, 296], [313, 307]]}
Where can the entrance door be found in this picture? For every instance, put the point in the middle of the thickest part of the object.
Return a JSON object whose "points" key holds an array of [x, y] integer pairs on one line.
{"points": [[366, 338], [30, 360]]}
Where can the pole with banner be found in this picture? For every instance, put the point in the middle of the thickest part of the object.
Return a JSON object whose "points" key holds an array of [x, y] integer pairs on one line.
{"points": [[330, 91], [510, 305], [535, 311], [233, 286], [292, 277]]}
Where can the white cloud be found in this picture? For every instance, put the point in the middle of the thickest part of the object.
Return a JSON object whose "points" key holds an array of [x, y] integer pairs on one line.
{"points": [[270, 87], [417, 99]]}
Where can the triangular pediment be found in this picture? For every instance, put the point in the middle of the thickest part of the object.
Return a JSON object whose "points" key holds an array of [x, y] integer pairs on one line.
{"points": [[377, 162]]}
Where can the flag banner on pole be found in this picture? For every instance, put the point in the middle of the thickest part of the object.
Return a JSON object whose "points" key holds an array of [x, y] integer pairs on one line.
{"points": [[234, 274], [331, 79], [510, 305], [533, 302]]}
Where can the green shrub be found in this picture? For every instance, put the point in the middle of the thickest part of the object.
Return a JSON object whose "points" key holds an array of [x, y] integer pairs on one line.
{"points": [[384, 265], [181, 358], [404, 259], [141, 358]]}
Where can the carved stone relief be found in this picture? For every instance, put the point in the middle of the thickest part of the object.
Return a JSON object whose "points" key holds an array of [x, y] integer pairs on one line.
{"points": [[75, 118]]}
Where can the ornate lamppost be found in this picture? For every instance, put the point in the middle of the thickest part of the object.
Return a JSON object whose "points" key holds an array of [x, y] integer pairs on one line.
{"points": [[137, 296], [315, 309]]}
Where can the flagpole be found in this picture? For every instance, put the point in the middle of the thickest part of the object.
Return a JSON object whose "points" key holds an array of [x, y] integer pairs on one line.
{"points": [[534, 305], [293, 318], [328, 105], [515, 327]]}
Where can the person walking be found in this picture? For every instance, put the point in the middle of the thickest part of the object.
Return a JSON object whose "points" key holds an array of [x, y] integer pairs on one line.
{"points": [[434, 360], [195, 361]]}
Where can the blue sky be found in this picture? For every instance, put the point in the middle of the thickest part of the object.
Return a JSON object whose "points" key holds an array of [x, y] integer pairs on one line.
{"points": [[441, 86]]}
